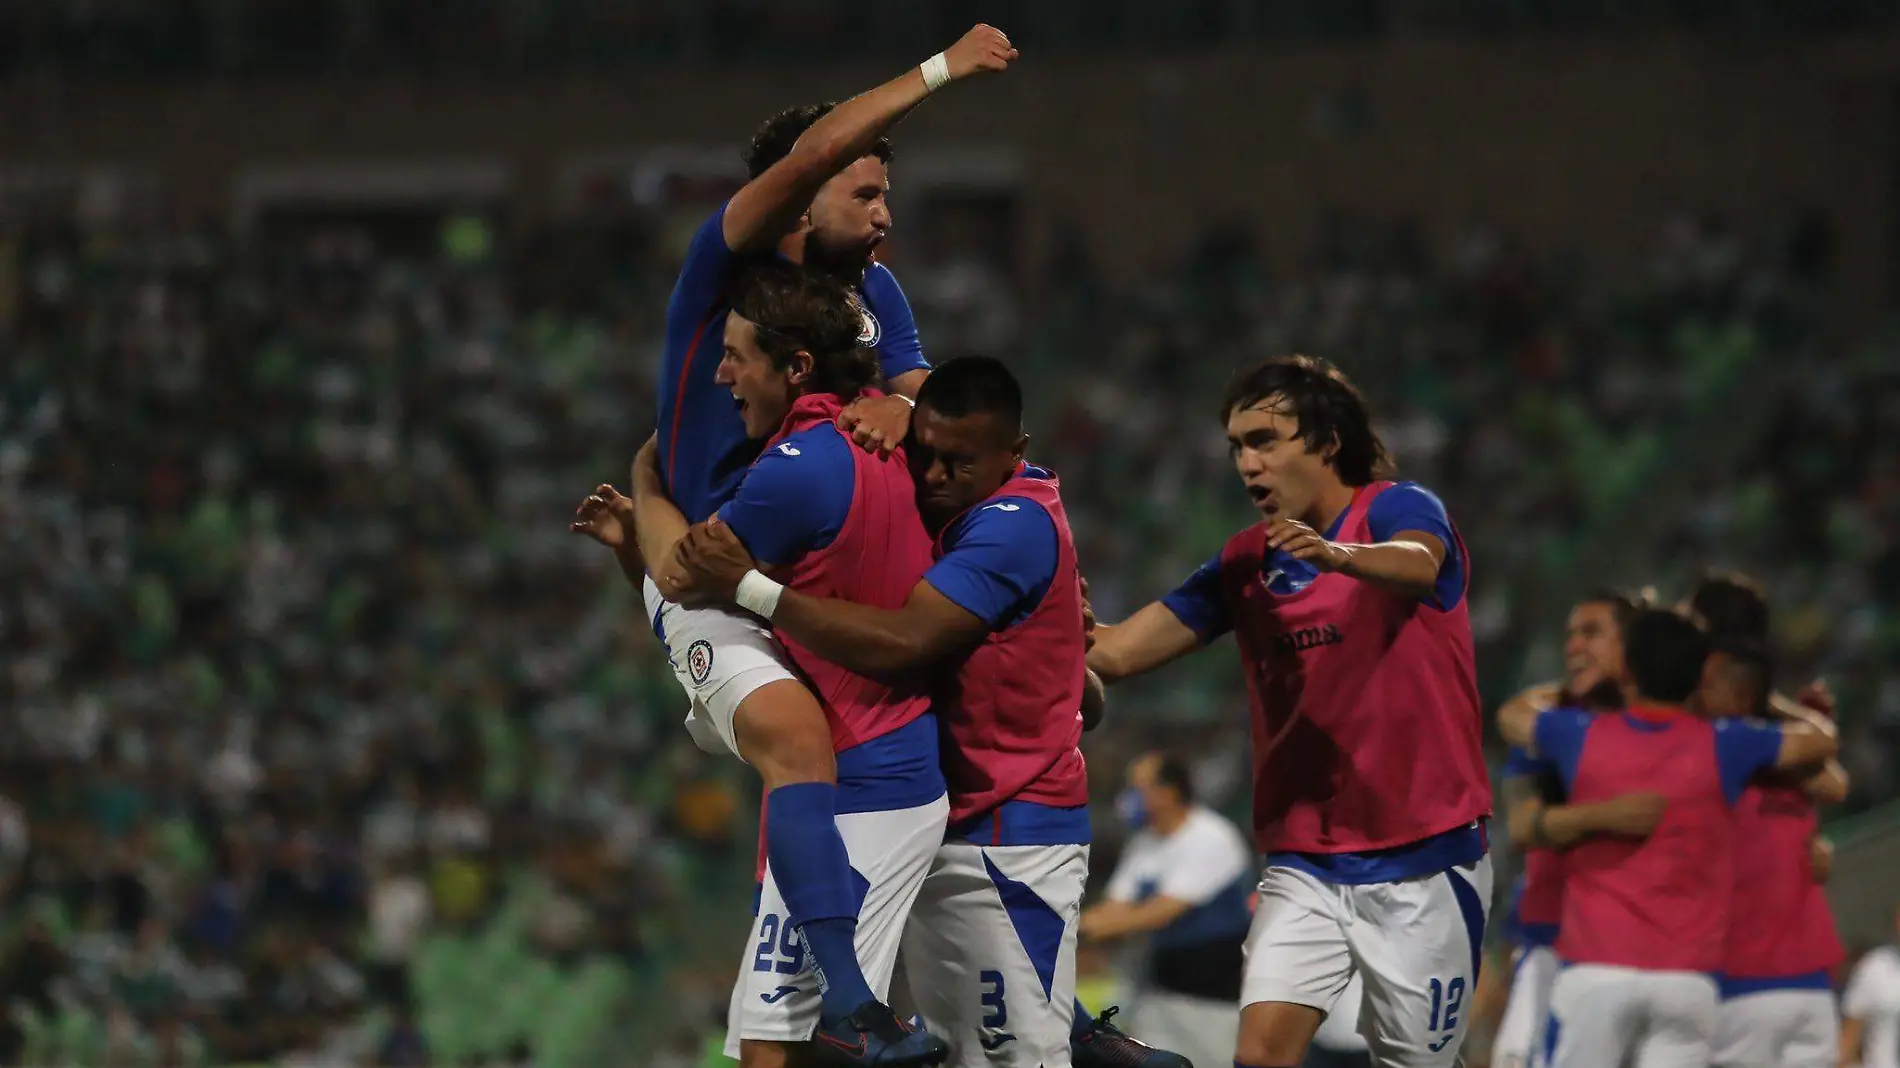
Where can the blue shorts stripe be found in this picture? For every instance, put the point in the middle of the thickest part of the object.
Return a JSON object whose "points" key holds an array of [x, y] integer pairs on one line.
{"points": [[1472, 907], [1038, 926]]}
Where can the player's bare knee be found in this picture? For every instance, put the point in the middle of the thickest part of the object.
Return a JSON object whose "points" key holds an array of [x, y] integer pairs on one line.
{"points": [[783, 733], [1274, 1033]]}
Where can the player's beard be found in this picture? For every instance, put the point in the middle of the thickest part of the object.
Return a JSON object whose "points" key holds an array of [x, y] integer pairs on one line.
{"points": [[848, 261]]}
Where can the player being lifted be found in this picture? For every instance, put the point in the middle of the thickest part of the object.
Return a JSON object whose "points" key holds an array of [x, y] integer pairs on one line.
{"points": [[816, 196], [997, 625], [1370, 787]]}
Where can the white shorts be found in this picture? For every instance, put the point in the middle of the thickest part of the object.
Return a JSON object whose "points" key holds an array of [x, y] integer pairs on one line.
{"points": [[989, 954], [1415, 944], [1520, 1039], [776, 997], [719, 656], [1604, 1017], [1203, 1030], [1777, 1029]]}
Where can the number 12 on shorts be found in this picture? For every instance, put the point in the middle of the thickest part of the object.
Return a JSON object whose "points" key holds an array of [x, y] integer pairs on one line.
{"points": [[1447, 999]]}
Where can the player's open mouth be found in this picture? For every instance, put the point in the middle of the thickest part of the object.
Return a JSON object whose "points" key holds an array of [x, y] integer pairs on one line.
{"points": [[1259, 494]]}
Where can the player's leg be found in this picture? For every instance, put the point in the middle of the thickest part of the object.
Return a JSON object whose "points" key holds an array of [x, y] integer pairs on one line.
{"points": [[1682, 1014], [1520, 1032], [1813, 1035], [745, 695], [1743, 1037], [1418, 945], [991, 946], [1595, 1014], [779, 999], [1202, 1030], [1297, 965]]}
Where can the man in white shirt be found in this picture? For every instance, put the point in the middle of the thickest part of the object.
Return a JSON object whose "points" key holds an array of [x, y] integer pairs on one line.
{"points": [[1184, 881], [1870, 1010]]}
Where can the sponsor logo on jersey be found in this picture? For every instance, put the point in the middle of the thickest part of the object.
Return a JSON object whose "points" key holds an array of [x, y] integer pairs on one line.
{"points": [[1308, 638]]}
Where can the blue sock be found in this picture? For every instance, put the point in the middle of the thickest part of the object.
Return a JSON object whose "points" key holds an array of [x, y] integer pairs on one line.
{"points": [[814, 876], [1084, 1023]]}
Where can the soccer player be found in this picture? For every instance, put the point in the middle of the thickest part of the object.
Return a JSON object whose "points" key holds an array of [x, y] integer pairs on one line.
{"points": [[1183, 880], [1870, 1007], [1542, 825], [990, 948], [816, 197], [1644, 922], [1370, 787], [1776, 984], [839, 520]]}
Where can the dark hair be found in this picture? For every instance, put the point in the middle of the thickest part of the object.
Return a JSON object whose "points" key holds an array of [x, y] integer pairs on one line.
{"points": [[975, 385], [1623, 604], [774, 138], [1730, 604], [1665, 650], [799, 310], [1327, 406], [1173, 773], [1754, 664]]}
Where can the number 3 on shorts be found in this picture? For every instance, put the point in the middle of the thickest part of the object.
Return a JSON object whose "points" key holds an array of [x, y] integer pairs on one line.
{"points": [[995, 1011], [1446, 1001]]}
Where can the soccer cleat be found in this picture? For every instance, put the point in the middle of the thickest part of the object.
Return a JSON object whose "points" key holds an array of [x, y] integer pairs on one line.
{"points": [[875, 1037], [1106, 1046]]}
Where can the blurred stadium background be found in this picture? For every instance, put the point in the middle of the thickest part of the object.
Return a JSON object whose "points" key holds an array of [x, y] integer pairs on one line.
{"points": [[323, 742]]}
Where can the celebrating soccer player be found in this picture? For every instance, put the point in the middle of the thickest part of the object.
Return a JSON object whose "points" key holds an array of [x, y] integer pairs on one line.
{"points": [[990, 950], [816, 197], [1370, 787]]}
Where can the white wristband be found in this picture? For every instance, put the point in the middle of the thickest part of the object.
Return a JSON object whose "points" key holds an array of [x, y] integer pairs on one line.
{"points": [[936, 72], [758, 595]]}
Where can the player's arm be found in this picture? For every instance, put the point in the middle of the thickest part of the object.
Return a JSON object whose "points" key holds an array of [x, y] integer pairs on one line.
{"points": [[607, 516], [1094, 700], [767, 207], [1820, 859], [1538, 825], [1164, 631], [1813, 708], [1517, 718], [1410, 555], [658, 523], [1107, 921], [881, 643]]}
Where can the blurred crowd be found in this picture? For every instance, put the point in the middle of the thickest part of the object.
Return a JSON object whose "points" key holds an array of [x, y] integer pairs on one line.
{"points": [[508, 37], [320, 724]]}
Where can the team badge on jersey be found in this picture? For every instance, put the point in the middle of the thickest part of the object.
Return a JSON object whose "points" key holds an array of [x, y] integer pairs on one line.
{"points": [[699, 661], [869, 332]]}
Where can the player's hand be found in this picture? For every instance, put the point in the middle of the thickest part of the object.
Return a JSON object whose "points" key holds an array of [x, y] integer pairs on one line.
{"points": [[983, 49], [712, 560], [876, 424], [1817, 696], [1634, 815], [1088, 619], [1302, 542], [605, 516]]}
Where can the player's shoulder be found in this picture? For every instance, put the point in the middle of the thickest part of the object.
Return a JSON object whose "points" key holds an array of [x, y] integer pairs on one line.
{"points": [[809, 451], [1412, 498], [1001, 516]]}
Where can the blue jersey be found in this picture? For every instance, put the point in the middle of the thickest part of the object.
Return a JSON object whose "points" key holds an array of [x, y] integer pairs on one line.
{"points": [[704, 450]]}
